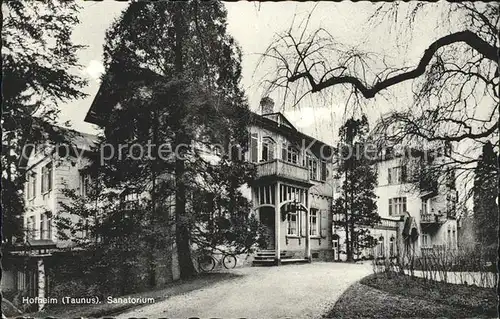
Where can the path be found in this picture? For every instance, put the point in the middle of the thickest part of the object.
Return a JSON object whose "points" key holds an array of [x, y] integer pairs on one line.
{"points": [[291, 291]]}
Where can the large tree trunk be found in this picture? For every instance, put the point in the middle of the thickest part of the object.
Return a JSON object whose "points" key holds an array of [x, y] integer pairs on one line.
{"points": [[348, 233], [182, 234]]}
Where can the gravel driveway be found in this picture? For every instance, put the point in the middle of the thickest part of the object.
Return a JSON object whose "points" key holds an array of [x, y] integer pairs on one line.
{"points": [[291, 291]]}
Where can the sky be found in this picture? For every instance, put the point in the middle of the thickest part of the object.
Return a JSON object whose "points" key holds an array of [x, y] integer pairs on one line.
{"points": [[254, 25]]}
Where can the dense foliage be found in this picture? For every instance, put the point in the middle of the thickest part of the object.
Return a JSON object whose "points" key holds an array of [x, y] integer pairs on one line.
{"points": [[356, 208], [39, 69]]}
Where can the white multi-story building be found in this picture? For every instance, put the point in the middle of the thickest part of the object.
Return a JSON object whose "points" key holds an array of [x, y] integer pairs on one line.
{"points": [[49, 170], [427, 208]]}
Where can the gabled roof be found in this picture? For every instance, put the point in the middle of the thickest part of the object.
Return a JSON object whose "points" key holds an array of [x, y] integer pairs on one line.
{"points": [[80, 140], [280, 124], [118, 79], [279, 118]]}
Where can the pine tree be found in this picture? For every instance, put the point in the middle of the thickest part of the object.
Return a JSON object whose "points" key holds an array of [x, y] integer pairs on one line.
{"points": [[485, 201], [39, 68], [193, 96], [356, 208]]}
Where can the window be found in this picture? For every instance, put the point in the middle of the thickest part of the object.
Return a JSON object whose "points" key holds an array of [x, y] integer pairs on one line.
{"points": [[31, 186], [397, 206], [47, 178], [85, 184], [426, 241], [31, 227], [21, 280], [290, 154], [449, 238], [46, 226], [85, 228], [324, 171], [292, 221], [313, 222], [254, 144], [312, 164], [453, 238], [424, 207], [392, 247], [396, 175], [380, 246], [131, 200], [267, 149]]}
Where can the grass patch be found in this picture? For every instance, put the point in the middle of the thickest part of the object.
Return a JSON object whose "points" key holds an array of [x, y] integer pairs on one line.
{"points": [[383, 296], [104, 309]]}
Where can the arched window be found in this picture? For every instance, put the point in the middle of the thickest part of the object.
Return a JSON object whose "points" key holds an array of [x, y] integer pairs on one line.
{"points": [[268, 149]]}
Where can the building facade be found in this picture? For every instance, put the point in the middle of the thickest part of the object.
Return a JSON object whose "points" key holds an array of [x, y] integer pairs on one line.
{"points": [[49, 170], [293, 191], [416, 217]]}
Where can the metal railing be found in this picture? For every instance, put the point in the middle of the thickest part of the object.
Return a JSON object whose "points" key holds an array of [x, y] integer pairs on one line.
{"points": [[432, 218]]}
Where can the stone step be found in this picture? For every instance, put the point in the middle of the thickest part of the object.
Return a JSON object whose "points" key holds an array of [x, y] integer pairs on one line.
{"points": [[270, 254], [286, 261], [271, 257]]}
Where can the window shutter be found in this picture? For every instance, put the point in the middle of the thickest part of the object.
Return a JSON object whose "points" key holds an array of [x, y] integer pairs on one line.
{"points": [[403, 174], [283, 152], [390, 206], [49, 180], [323, 223], [34, 186], [253, 148], [389, 177], [323, 171], [43, 179]]}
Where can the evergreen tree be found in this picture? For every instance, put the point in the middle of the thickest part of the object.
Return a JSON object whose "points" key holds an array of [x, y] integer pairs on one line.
{"points": [[39, 68], [485, 201], [192, 96], [356, 208]]}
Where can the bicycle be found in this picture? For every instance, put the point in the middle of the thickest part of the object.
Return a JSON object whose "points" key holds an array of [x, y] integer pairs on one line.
{"points": [[207, 262]]}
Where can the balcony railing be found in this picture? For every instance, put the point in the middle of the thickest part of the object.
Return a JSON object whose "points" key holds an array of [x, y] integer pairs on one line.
{"points": [[280, 168], [432, 218]]}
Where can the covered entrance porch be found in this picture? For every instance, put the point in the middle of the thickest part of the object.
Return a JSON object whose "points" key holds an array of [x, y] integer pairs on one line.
{"points": [[280, 207]]}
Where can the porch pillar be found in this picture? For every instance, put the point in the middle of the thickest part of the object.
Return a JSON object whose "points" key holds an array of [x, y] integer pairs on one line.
{"points": [[308, 233], [41, 282], [308, 236], [277, 224]]}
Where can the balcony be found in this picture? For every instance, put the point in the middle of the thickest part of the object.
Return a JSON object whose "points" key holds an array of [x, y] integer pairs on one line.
{"points": [[432, 218], [282, 170]]}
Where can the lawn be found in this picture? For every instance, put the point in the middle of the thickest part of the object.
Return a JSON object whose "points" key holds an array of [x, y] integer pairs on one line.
{"points": [[110, 309], [383, 296]]}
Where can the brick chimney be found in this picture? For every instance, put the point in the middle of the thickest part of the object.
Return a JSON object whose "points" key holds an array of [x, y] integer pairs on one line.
{"points": [[266, 105]]}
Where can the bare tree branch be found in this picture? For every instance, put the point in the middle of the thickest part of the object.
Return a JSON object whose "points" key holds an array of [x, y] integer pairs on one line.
{"points": [[488, 51]]}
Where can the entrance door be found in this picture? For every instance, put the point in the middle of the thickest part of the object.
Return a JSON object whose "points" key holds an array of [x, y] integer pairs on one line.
{"points": [[266, 215]]}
